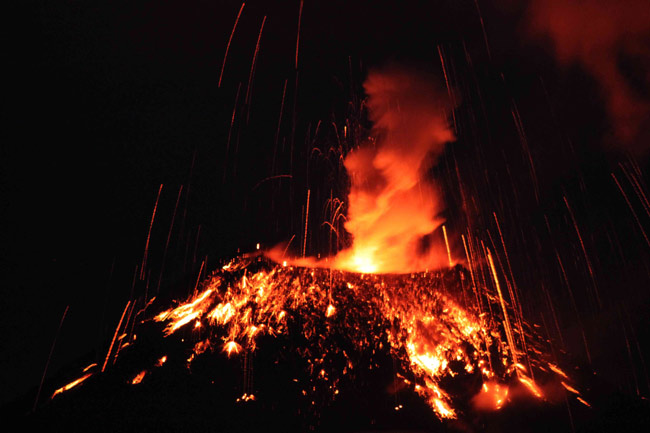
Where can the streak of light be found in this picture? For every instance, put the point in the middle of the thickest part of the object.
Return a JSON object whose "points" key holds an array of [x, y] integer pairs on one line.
{"points": [[304, 244], [138, 378], [298, 32], [444, 232], [556, 369], [584, 251], [449, 91], [146, 245], [169, 235], [89, 367], [570, 388], [47, 364], [232, 120], [485, 38], [509, 335], [119, 324], [636, 217], [252, 71], [232, 33], [71, 384], [575, 307], [530, 385]]}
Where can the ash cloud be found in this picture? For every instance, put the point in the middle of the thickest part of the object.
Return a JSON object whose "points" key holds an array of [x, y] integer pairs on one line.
{"points": [[611, 40], [392, 204]]}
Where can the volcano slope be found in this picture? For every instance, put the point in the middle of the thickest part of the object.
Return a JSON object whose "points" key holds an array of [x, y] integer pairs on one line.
{"points": [[261, 346]]}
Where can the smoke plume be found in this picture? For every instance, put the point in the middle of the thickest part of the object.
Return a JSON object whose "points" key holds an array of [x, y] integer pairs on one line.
{"points": [[611, 40], [392, 205]]}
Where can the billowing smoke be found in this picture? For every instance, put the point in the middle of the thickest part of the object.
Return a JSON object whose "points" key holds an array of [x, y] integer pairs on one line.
{"points": [[610, 39], [392, 203]]}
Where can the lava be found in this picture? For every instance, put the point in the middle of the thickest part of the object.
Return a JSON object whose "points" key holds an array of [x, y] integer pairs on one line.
{"points": [[433, 337]]}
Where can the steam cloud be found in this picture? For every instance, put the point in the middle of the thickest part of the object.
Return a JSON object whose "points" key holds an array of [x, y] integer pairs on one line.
{"points": [[392, 205], [611, 39]]}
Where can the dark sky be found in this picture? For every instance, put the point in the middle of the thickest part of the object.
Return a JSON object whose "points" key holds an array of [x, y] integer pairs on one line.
{"points": [[107, 100]]}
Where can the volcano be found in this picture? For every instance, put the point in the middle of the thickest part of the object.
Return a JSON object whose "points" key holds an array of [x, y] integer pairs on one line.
{"points": [[262, 345]]}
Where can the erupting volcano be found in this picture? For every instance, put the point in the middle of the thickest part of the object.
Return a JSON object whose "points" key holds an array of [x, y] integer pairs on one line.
{"points": [[347, 216], [455, 339]]}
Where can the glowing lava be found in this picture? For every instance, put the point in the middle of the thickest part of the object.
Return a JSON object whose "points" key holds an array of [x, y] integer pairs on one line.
{"points": [[431, 336], [392, 203]]}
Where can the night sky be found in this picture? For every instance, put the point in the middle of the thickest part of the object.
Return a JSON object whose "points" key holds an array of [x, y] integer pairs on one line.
{"points": [[106, 101]]}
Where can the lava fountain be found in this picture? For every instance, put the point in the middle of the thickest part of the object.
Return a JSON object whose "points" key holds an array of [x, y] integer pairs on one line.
{"points": [[392, 203]]}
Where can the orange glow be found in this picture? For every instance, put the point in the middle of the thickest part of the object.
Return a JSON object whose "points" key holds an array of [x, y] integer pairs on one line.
{"points": [[378, 295], [530, 385], [71, 384], [391, 205], [443, 409], [246, 397], [426, 336], [89, 367], [570, 388], [491, 397], [138, 378], [185, 313], [201, 346], [231, 347], [431, 336], [557, 370]]}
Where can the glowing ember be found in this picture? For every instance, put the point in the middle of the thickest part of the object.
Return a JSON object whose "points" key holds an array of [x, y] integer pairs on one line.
{"points": [[185, 313], [531, 386], [71, 384], [492, 396], [89, 367], [432, 337], [246, 397], [231, 347], [570, 388], [138, 378], [557, 370]]}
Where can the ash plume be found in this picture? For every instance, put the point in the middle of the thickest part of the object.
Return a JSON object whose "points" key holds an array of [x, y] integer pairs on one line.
{"points": [[392, 203], [611, 40]]}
